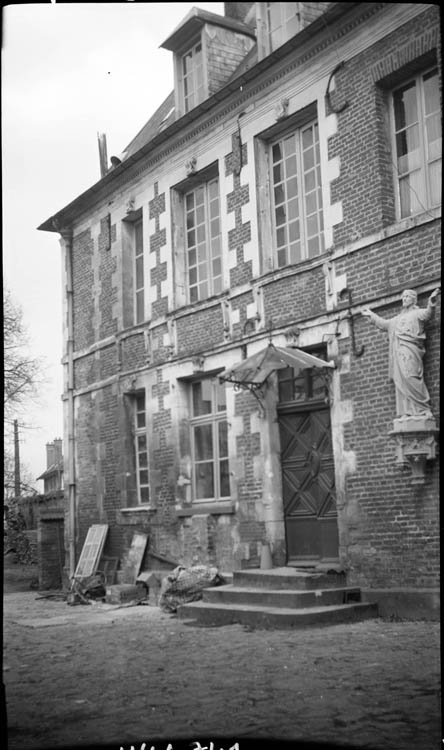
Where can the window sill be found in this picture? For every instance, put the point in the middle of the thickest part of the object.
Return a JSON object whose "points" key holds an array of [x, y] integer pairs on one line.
{"points": [[133, 516], [210, 509]]}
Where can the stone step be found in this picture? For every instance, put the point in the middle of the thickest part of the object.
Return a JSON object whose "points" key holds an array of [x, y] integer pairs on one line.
{"points": [[286, 598], [287, 578], [207, 613]]}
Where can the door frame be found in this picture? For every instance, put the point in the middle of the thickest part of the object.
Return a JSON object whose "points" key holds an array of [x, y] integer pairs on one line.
{"points": [[296, 407]]}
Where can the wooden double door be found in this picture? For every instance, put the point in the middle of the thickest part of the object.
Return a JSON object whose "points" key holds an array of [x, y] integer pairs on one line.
{"points": [[308, 481]]}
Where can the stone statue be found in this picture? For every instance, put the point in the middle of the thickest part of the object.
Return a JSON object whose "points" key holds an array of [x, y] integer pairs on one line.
{"points": [[406, 352]]}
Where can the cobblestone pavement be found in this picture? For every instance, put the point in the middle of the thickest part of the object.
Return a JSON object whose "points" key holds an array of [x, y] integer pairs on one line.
{"points": [[90, 675]]}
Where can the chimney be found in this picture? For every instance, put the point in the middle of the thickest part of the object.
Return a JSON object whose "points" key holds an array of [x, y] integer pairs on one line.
{"points": [[58, 450], [50, 454], [103, 154]]}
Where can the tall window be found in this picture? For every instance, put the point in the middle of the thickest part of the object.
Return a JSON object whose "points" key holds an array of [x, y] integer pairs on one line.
{"points": [[139, 284], [297, 196], [417, 143], [142, 469], [193, 77], [203, 241], [209, 440], [282, 23]]}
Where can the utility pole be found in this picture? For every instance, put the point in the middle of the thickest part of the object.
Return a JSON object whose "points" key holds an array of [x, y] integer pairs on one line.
{"points": [[16, 461]]}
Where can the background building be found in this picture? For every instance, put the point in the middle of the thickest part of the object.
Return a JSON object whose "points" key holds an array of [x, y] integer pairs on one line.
{"points": [[290, 180], [53, 475]]}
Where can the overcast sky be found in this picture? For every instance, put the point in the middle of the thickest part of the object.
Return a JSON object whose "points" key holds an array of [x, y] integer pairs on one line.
{"points": [[69, 70]]}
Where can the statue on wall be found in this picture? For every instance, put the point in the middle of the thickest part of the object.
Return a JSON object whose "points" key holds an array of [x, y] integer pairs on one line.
{"points": [[406, 352]]}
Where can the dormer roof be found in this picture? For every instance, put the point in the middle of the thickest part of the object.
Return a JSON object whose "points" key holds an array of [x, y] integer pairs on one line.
{"points": [[193, 22]]}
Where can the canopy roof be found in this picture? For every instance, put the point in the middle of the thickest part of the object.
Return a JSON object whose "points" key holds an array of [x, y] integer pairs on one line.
{"points": [[253, 371]]}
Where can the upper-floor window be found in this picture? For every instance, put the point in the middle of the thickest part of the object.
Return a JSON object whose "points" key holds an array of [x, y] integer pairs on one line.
{"points": [[209, 440], [203, 240], [297, 196], [283, 22], [139, 283], [141, 449], [193, 83], [416, 118]]}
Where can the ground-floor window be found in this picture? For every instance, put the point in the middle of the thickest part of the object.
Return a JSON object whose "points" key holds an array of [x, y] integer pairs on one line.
{"points": [[209, 440]]}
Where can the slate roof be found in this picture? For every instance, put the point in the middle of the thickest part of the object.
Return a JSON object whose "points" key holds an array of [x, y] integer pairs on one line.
{"points": [[160, 120], [51, 470]]}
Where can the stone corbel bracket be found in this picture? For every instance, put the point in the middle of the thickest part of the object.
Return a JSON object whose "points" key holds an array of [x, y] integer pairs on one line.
{"points": [[415, 444], [190, 166], [198, 364]]}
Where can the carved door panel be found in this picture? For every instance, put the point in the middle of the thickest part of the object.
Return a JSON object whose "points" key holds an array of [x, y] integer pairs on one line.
{"points": [[308, 481]]}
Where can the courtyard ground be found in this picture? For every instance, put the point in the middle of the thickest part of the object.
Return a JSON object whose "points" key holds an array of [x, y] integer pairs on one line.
{"points": [[101, 675]]}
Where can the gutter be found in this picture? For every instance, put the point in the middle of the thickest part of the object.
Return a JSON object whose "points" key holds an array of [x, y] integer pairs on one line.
{"points": [[66, 239]]}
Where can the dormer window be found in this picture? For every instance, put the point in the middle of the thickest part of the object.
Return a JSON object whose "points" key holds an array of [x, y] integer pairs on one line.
{"points": [[193, 84], [283, 22], [277, 23], [207, 50]]}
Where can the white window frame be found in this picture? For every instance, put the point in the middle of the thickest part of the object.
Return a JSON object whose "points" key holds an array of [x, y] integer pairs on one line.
{"points": [[138, 260], [191, 50], [304, 215], [140, 431], [214, 419], [206, 254], [421, 194], [286, 18]]}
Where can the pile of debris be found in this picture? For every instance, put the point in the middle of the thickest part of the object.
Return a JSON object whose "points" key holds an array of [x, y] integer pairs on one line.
{"points": [[185, 585]]}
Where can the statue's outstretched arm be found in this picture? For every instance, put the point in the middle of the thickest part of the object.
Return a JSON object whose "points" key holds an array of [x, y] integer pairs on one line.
{"points": [[376, 319], [428, 312]]}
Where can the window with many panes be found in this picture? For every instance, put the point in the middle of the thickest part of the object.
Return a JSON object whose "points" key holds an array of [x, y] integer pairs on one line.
{"points": [[297, 196], [139, 283], [141, 447], [416, 119], [203, 241], [193, 82], [209, 440], [283, 22]]}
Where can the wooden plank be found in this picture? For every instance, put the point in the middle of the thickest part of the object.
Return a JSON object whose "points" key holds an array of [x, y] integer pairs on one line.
{"points": [[108, 566], [92, 550], [132, 561]]}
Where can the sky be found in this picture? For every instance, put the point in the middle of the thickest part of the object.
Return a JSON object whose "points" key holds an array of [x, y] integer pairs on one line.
{"points": [[69, 71]]}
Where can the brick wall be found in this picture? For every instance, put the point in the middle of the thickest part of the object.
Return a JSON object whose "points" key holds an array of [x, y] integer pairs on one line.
{"points": [[108, 292], [51, 551], [241, 273], [200, 330], [83, 283], [159, 305], [295, 298]]}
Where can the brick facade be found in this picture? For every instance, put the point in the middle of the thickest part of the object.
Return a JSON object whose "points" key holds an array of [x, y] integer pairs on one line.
{"points": [[388, 528]]}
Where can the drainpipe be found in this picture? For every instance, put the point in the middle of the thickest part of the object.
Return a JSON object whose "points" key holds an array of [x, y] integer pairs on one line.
{"points": [[66, 242]]}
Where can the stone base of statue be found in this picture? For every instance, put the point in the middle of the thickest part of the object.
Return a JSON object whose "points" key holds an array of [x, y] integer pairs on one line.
{"points": [[415, 438]]}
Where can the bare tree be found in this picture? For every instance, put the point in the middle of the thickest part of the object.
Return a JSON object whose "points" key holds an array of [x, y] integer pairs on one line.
{"points": [[22, 371]]}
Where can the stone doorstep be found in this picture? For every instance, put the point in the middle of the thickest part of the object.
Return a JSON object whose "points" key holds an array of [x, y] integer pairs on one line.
{"points": [[288, 578], [287, 598], [206, 613], [280, 598]]}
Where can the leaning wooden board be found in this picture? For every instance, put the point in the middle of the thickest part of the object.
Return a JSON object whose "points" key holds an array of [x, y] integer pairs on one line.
{"points": [[132, 561], [92, 550]]}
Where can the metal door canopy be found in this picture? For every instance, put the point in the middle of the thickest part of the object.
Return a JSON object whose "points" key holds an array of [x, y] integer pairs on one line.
{"points": [[254, 371]]}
